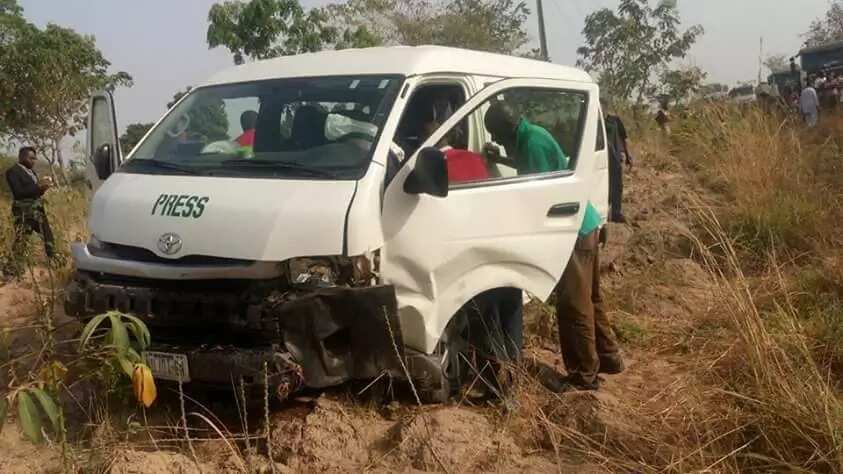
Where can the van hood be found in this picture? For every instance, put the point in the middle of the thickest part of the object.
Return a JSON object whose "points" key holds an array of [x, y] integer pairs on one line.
{"points": [[238, 218]]}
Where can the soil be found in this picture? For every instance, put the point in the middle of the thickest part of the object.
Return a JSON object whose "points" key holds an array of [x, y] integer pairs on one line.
{"points": [[652, 286]]}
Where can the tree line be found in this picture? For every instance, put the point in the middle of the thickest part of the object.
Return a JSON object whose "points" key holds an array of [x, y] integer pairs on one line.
{"points": [[46, 74]]}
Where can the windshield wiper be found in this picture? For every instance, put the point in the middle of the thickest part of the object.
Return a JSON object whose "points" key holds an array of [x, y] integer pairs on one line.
{"points": [[286, 165], [168, 166]]}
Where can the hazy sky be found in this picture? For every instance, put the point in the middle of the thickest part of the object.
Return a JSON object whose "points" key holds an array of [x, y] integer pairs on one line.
{"points": [[161, 43]]}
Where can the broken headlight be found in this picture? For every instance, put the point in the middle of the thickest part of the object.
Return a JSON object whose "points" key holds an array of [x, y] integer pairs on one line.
{"points": [[360, 270]]}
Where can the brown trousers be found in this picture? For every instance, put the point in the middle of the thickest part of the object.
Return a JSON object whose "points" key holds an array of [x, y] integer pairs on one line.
{"points": [[585, 334]]}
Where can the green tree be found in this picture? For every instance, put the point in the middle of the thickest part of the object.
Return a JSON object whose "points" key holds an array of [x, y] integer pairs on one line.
{"points": [[629, 48], [208, 120], [777, 63], [134, 132], [261, 29], [48, 76], [679, 84], [828, 28], [484, 25]]}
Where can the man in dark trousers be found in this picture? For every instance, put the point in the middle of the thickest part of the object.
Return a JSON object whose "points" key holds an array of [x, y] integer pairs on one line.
{"points": [[27, 206], [618, 154]]}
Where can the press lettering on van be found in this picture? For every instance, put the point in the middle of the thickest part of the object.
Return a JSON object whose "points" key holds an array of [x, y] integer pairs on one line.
{"points": [[174, 211], [200, 207], [180, 205], [189, 206]]}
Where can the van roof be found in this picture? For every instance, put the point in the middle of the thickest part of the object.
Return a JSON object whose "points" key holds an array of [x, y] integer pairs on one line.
{"points": [[403, 60]]}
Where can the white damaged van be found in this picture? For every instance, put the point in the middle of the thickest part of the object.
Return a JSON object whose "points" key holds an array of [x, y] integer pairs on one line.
{"points": [[330, 216]]}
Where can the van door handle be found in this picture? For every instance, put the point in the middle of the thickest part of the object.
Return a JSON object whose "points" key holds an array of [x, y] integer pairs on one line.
{"points": [[564, 210]]}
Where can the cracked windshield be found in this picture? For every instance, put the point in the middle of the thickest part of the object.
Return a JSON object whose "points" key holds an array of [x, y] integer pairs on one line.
{"points": [[315, 128]]}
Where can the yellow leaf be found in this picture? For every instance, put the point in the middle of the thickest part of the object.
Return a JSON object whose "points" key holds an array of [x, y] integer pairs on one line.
{"points": [[144, 385]]}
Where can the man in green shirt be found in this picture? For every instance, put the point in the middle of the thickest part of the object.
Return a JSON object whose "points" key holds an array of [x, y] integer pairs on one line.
{"points": [[589, 345]]}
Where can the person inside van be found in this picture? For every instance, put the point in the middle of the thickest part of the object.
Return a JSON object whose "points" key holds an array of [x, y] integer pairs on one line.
{"points": [[529, 148], [463, 164], [248, 120]]}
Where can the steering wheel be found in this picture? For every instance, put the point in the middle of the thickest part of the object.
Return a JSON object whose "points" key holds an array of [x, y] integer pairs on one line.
{"points": [[180, 127]]}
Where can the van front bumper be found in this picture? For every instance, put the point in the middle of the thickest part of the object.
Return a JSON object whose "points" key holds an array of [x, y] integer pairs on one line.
{"points": [[334, 334]]}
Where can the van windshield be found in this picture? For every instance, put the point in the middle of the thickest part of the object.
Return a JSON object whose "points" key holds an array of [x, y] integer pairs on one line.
{"points": [[315, 128]]}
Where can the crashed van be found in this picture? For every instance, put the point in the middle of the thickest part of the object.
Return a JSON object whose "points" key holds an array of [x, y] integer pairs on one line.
{"points": [[300, 221]]}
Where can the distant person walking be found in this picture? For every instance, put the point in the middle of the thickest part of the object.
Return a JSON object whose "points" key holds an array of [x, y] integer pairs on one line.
{"points": [[809, 105], [27, 206], [663, 117], [618, 155]]}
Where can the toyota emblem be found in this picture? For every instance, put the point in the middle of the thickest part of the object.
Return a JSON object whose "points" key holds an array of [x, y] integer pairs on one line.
{"points": [[169, 244]]}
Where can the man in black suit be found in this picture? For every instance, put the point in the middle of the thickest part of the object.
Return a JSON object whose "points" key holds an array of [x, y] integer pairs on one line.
{"points": [[27, 206]]}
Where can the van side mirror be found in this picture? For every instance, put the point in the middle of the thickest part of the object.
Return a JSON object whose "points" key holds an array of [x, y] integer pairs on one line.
{"points": [[102, 161], [430, 175]]}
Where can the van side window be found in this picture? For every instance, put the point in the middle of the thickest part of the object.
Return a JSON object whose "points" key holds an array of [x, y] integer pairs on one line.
{"points": [[427, 109], [528, 131]]}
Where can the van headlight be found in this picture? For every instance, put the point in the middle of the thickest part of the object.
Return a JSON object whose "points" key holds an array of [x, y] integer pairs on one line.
{"points": [[95, 243]]}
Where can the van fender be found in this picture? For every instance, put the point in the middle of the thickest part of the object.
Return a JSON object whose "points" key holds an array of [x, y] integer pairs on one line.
{"points": [[449, 300]]}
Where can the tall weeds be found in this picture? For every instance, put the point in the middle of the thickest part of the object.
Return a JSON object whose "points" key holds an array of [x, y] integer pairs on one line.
{"points": [[783, 406]]}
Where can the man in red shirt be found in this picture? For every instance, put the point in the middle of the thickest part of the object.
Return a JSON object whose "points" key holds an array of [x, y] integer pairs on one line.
{"points": [[248, 119], [463, 165]]}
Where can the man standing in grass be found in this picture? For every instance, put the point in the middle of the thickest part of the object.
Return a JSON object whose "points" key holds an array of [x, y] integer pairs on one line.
{"points": [[809, 105], [586, 338], [27, 206], [618, 155]]}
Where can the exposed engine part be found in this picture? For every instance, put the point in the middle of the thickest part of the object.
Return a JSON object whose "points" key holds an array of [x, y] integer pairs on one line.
{"points": [[357, 271]]}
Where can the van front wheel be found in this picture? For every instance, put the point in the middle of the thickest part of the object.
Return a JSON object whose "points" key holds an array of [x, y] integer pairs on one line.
{"points": [[449, 367]]}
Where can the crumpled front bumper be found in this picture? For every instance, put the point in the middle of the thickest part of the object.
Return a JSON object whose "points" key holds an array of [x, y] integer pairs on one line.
{"points": [[334, 334]]}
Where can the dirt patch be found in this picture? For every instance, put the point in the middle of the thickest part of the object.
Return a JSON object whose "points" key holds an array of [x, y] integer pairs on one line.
{"points": [[19, 456], [159, 462]]}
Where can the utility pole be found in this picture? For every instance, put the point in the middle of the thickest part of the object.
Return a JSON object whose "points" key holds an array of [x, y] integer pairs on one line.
{"points": [[542, 35]]}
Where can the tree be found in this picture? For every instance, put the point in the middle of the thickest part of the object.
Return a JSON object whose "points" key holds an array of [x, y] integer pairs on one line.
{"points": [[677, 85], [208, 120], [828, 28], [48, 76], [628, 48], [134, 132], [484, 25], [777, 63], [261, 29]]}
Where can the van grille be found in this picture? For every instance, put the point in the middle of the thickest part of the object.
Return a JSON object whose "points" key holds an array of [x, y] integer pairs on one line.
{"points": [[139, 254]]}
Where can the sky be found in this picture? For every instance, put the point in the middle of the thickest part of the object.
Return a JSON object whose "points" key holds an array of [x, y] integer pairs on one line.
{"points": [[161, 43]]}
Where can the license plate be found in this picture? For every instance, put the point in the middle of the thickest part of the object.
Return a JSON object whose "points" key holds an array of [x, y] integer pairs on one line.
{"points": [[168, 366]]}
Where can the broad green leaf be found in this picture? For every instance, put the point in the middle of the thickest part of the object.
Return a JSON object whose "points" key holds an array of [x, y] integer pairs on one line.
{"points": [[134, 357], [126, 365], [49, 406], [4, 408], [119, 335], [140, 331], [89, 329], [30, 420]]}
